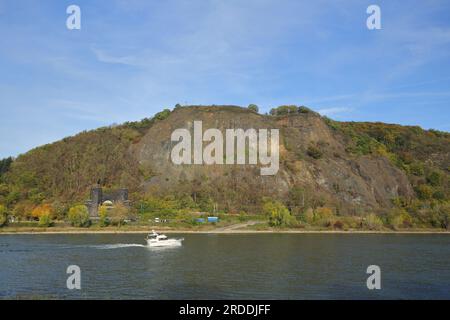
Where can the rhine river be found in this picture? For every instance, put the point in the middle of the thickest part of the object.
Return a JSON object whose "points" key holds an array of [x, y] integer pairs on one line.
{"points": [[226, 266]]}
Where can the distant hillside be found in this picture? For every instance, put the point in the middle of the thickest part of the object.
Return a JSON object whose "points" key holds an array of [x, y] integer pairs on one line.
{"points": [[351, 168]]}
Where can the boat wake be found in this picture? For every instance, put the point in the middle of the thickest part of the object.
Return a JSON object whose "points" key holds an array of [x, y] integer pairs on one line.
{"points": [[118, 246]]}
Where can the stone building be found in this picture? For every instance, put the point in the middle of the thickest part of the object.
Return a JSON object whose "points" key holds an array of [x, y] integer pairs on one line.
{"points": [[98, 197]]}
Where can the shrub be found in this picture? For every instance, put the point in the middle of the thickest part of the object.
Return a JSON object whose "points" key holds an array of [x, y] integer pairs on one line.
{"points": [[372, 222], [351, 222], [338, 225], [399, 218], [79, 216], [309, 216], [23, 209], [283, 110], [162, 115], [324, 213], [434, 179], [59, 210], [324, 216], [424, 192], [242, 217], [417, 169], [314, 152], [45, 221], [303, 109], [443, 216], [439, 195], [103, 214]]}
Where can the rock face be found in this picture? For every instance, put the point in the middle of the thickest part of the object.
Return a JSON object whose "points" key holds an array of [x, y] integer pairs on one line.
{"points": [[332, 176]]}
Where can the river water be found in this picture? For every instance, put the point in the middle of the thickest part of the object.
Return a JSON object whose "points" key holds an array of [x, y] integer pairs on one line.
{"points": [[226, 266]]}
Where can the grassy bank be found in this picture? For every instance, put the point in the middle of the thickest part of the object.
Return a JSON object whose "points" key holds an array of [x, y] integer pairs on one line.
{"points": [[226, 224], [255, 229]]}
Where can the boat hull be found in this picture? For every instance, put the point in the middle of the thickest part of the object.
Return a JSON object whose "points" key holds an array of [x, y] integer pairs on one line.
{"points": [[165, 243]]}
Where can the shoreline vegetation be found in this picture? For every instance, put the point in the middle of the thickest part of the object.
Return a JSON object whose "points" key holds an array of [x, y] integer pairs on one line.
{"points": [[36, 232], [233, 229]]}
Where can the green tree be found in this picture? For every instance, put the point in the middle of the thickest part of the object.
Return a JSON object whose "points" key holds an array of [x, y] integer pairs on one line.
{"points": [[79, 216], [45, 221], [5, 164], [161, 207], [103, 214], [253, 107], [278, 214]]}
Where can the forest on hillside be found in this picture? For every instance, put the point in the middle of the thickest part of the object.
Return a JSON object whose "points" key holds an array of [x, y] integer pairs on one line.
{"points": [[51, 179]]}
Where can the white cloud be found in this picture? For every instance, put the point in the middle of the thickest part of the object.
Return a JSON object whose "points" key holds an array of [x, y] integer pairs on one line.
{"points": [[333, 111]]}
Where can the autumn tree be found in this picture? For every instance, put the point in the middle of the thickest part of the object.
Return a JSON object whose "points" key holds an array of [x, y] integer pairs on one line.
{"points": [[42, 210], [79, 216], [278, 214], [118, 214]]}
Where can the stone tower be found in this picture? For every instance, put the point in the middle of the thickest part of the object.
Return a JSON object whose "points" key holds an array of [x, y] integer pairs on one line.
{"points": [[98, 197]]}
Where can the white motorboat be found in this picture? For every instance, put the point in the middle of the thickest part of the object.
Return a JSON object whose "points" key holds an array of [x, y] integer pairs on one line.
{"points": [[155, 239]]}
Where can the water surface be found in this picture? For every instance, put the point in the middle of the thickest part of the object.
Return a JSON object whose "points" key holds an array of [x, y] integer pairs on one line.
{"points": [[211, 266]]}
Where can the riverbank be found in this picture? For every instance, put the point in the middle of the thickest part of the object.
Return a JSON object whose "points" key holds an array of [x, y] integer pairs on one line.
{"points": [[144, 230]]}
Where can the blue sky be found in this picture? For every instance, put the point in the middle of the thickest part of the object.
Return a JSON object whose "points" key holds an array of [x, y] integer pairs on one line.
{"points": [[133, 58]]}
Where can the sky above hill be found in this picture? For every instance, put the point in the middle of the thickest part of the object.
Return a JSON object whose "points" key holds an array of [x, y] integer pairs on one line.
{"points": [[131, 59]]}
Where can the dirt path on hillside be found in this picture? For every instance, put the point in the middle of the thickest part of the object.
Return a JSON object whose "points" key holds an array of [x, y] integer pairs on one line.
{"points": [[235, 226]]}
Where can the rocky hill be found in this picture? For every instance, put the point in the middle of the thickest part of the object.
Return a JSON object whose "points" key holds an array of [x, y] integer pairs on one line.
{"points": [[349, 167]]}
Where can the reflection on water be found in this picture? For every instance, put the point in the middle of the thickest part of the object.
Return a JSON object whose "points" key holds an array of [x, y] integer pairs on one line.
{"points": [[208, 266]]}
